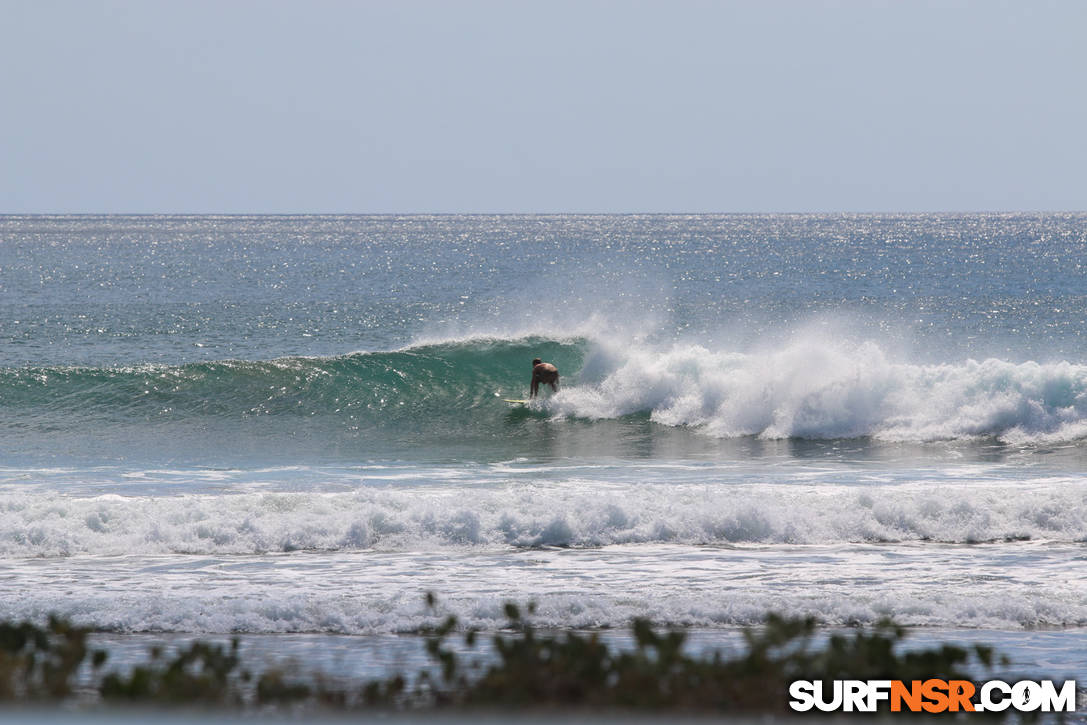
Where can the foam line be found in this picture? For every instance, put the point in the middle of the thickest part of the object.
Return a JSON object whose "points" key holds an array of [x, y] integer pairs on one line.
{"points": [[575, 514]]}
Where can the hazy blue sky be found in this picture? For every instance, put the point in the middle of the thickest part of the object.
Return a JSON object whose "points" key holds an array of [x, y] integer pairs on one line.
{"points": [[321, 106]]}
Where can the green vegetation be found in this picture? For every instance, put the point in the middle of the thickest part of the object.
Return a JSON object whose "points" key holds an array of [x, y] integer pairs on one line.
{"points": [[201, 673], [528, 668], [39, 663]]}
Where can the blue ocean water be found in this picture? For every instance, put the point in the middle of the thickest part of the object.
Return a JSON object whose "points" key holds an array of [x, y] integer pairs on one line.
{"points": [[296, 424]]}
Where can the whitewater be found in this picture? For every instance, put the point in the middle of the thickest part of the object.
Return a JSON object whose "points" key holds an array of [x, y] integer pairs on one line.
{"points": [[295, 426]]}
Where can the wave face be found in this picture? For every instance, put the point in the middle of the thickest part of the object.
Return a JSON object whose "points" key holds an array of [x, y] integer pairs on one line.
{"points": [[451, 391], [404, 383], [368, 402]]}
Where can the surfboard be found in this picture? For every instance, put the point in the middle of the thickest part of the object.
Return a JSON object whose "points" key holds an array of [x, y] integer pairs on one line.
{"points": [[512, 400]]}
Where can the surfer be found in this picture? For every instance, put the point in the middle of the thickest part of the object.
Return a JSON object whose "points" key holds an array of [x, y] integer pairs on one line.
{"points": [[543, 373]]}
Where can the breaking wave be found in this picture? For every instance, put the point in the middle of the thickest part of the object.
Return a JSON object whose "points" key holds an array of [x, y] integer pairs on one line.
{"points": [[824, 390], [806, 389], [578, 514]]}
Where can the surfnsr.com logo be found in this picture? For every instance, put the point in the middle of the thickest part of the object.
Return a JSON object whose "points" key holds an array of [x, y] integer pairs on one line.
{"points": [[932, 696]]}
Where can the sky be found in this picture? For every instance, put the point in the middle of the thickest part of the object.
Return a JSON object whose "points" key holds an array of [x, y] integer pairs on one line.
{"points": [[323, 106]]}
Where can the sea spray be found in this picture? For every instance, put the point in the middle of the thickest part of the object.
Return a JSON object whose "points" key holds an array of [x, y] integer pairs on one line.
{"points": [[823, 390]]}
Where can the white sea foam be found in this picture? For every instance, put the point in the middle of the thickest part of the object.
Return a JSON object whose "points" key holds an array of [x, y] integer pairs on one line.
{"points": [[574, 513], [817, 388], [994, 585]]}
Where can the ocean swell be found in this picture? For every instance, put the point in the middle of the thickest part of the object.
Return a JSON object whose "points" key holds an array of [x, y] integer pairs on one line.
{"points": [[815, 389]]}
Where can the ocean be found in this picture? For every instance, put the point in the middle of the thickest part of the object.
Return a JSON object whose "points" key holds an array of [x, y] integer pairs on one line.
{"points": [[292, 428]]}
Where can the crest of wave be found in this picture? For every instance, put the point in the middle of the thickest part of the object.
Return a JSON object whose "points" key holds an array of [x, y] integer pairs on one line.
{"points": [[820, 388]]}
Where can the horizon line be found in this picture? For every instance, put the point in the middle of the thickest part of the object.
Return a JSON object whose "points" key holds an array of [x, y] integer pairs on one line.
{"points": [[947, 212]]}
